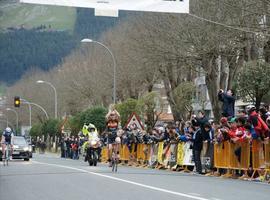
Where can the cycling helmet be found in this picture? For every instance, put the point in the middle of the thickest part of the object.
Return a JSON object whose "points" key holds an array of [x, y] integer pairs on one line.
{"points": [[8, 130], [91, 128]]}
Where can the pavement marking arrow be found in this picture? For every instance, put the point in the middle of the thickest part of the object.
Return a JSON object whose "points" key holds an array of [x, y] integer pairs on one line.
{"points": [[127, 181]]}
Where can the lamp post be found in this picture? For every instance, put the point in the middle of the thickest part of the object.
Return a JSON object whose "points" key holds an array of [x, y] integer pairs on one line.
{"points": [[55, 95], [30, 110], [86, 40], [17, 117], [39, 106]]}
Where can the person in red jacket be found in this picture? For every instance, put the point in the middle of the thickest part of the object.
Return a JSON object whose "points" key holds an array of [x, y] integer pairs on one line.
{"points": [[259, 125], [238, 133]]}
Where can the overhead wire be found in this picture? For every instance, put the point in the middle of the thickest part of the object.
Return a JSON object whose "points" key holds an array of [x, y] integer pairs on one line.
{"points": [[227, 26]]}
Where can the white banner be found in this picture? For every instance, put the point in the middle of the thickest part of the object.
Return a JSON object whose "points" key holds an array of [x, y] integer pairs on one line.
{"points": [[188, 155], [112, 6]]}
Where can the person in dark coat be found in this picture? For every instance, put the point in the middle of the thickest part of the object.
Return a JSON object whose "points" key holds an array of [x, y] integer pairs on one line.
{"points": [[228, 100], [197, 139], [62, 145], [210, 134], [202, 120]]}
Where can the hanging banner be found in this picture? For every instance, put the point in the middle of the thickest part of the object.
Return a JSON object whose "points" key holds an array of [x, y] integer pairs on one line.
{"points": [[153, 154], [180, 153], [111, 7], [188, 155], [160, 152], [173, 153]]}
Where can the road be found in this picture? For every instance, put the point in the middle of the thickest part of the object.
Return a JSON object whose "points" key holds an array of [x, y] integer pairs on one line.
{"points": [[50, 177]]}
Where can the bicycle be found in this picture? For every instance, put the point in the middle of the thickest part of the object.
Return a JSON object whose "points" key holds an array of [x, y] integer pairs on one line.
{"points": [[6, 155], [115, 157]]}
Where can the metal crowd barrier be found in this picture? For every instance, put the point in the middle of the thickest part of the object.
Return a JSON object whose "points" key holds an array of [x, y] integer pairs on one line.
{"points": [[227, 155]]}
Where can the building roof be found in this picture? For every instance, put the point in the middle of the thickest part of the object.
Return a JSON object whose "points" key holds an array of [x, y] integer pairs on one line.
{"points": [[167, 117]]}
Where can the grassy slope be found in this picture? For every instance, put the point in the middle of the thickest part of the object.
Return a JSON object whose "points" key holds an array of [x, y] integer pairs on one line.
{"points": [[16, 14], [2, 89]]}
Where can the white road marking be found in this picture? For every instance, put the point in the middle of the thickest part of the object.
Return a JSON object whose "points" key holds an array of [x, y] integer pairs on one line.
{"points": [[126, 181], [194, 194]]}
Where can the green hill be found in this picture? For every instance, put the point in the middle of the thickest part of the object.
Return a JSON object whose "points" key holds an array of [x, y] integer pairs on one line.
{"points": [[41, 36], [16, 15]]}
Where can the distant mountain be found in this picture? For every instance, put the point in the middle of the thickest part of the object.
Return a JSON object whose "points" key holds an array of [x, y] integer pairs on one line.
{"points": [[23, 49], [41, 36]]}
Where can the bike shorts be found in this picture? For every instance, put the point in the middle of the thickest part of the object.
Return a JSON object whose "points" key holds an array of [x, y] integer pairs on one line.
{"points": [[111, 139], [6, 142]]}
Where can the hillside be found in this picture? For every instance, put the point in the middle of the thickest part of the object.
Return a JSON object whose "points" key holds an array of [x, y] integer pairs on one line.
{"points": [[14, 14], [41, 36]]}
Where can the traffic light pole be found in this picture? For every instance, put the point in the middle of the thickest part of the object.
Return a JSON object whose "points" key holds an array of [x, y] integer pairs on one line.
{"points": [[30, 112]]}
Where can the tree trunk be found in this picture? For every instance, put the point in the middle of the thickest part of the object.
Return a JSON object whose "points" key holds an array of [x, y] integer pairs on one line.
{"points": [[170, 98], [223, 72], [211, 68], [235, 63], [258, 101]]}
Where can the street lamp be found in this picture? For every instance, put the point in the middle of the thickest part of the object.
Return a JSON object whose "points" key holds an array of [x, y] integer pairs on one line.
{"points": [[30, 110], [55, 95], [17, 118], [39, 106], [86, 40]]}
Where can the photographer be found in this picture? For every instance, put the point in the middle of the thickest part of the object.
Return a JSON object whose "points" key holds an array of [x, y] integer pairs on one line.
{"points": [[228, 100]]}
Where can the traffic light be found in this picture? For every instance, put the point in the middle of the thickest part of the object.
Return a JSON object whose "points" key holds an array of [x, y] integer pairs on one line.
{"points": [[17, 101]]}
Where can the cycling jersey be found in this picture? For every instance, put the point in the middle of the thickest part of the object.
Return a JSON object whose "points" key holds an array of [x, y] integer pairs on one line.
{"points": [[112, 134], [7, 136]]}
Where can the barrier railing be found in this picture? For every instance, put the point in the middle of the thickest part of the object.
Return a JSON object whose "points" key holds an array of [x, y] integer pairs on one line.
{"points": [[227, 155]]}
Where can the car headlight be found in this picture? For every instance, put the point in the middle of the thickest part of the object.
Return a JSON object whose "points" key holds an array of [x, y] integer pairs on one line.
{"points": [[15, 146], [26, 148]]}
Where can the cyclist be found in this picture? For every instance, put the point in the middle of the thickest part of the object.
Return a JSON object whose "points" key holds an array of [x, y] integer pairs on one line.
{"points": [[113, 133], [6, 139]]}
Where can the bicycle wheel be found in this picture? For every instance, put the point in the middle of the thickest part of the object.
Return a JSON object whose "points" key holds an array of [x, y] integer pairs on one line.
{"points": [[7, 155], [116, 165], [113, 164], [5, 162], [4, 159]]}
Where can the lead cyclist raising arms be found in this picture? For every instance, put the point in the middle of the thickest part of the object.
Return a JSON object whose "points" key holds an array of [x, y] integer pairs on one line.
{"points": [[114, 133]]}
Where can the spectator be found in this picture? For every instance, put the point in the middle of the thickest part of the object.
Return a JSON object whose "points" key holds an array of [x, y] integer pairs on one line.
{"points": [[197, 139], [263, 113], [75, 149], [63, 147], [210, 144], [259, 125], [228, 100], [242, 113], [202, 120], [68, 147]]}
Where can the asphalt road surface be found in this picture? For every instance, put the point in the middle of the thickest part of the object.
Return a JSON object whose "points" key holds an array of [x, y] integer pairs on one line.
{"points": [[48, 177]]}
